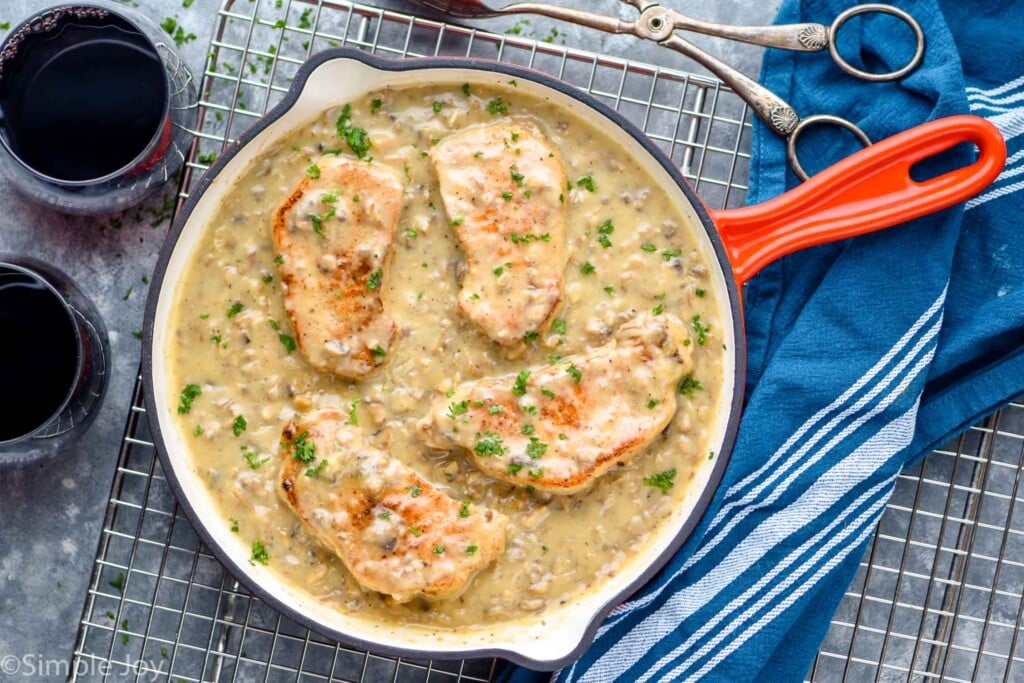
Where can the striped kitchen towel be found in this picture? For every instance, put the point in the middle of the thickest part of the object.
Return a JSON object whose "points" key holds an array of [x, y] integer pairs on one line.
{"points": [[863, 356]]}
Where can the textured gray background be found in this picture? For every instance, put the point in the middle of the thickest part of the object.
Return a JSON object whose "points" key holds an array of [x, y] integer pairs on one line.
{"points": [[50, 515]]}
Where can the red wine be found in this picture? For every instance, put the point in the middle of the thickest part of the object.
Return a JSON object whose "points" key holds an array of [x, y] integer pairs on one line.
{"points": [[84, 101], [38, 353]]}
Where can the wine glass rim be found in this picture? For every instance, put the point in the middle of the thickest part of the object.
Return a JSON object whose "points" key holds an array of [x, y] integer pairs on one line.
{"points": [[158, 133], [7, 261]]}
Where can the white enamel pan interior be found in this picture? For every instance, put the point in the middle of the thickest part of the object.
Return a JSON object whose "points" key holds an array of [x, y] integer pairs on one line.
{"points": [[547, 641]]}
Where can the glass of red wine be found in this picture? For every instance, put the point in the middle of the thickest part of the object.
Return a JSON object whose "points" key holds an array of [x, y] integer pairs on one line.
{"points": [[54, 358], [95, 107]]}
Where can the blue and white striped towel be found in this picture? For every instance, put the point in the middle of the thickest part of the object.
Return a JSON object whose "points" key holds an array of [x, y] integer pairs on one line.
{"points": [[864, 355]]}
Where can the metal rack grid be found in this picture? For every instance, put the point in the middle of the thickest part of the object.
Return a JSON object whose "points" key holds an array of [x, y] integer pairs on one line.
{"points": [[941, 583]]}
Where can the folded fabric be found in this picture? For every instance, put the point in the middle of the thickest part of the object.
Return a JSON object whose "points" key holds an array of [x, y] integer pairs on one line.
{"points": [[863, 356]]}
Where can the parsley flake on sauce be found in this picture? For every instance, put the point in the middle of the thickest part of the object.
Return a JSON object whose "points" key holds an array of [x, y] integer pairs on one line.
{"points": [[288, 342], [313, 171], [259, 553], [238, 425], [357, 138], [663, 481], [188, 394], [235, 309], [588, 183], [456, 409], [497, 106], [700, 329], [576, 373], [464, 509], [689, 387], [587, 268]]}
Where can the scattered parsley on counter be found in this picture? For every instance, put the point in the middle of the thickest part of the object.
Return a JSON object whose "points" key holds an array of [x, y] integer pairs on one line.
{"points": [[662, 481], [188, 394], [118, 583]]}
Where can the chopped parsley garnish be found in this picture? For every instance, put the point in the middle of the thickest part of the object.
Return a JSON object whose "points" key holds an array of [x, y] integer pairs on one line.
{"points": [[414, 491], [701, 330], [536, 448], [234, 527], [515, 467], [273, 324], [313, 171], [198, 431], [465, 89], [652, 404], [587, 268], [548, 393], [471, 550], [530, 337], [699, 292], [329, 197], [609, 290], [662, 480], [562, 436], [519, 387], [535, 474], [603, 231], [516, 175], [374, 281], [526, 429], [318, 221], [588, 183], [378, 351], [658, 310], [415, 531], [267, 279], [375, 105], [648, 247], [207, 158], [357, 138], [437, 106], [457, 220], [529, 237], [495, 409], [498, 271], [303, 449], [488, 444], [558, 326], [456, 409], [253, 458], [438, 549], [411, 233], [118, 583], [669, 254], [386, 515], [288, 342], [279, 260], [464, 509], [238, 425], [353, 414], [259, 553], [188, 394], [497, 106], [235, 309], [689, 386], [576, 373]]}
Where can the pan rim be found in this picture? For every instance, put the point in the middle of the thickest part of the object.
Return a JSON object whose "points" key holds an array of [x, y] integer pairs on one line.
{"points": [[738, 349]]}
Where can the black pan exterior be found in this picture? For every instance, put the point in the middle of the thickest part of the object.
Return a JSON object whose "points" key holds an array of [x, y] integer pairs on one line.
{"points": [[518, 72]]}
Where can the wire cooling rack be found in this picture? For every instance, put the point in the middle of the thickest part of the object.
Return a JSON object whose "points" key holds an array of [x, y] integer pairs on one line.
{"points": [[938, 594]]}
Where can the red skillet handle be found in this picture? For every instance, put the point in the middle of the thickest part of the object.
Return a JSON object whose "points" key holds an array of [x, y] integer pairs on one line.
{"points": [[867, 191]]}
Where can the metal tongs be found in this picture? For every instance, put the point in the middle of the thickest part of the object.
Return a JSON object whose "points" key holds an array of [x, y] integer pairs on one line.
{"points": [[660, 24]]}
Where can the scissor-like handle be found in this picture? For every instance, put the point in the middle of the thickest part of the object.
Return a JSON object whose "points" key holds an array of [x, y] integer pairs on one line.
{"points": [[657, 22]]}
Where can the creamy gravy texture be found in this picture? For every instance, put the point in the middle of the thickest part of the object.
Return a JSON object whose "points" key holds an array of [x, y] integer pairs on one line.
{"points": [[241, 380]]}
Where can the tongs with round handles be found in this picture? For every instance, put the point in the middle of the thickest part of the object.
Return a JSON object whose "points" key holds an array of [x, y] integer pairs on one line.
{"points": [[660, 24]]}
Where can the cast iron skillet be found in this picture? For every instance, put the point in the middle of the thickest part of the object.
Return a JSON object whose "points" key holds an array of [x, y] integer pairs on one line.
{"points": [[868, 191]]}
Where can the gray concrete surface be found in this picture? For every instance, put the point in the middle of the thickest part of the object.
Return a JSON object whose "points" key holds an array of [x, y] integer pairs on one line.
{"points": [[51, 515]]}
